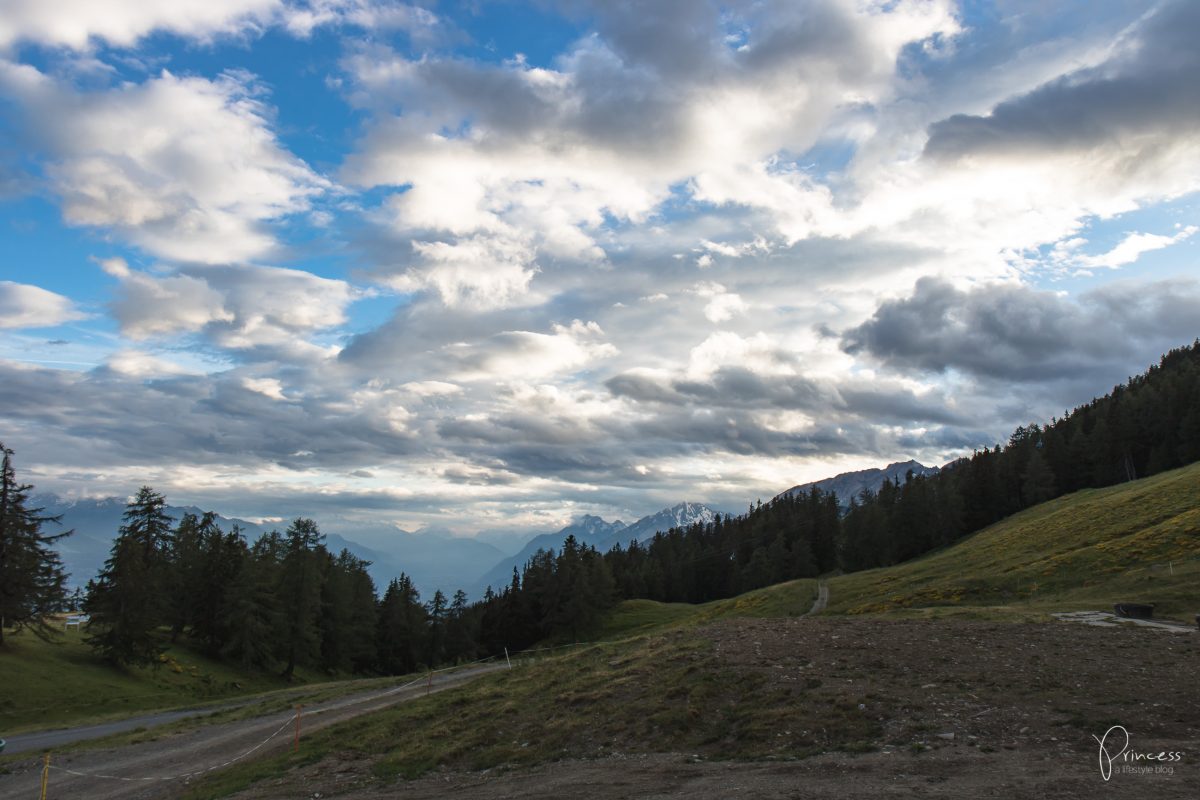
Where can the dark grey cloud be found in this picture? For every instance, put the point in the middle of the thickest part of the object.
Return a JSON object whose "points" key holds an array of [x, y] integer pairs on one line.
{"points": [[105, 418], [883, 401], [1015, 333], [1148, 92]]}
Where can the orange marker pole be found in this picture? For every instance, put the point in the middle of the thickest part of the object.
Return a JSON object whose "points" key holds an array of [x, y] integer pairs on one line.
{"points": [[429, 686], [296, 740], [45, 775]]}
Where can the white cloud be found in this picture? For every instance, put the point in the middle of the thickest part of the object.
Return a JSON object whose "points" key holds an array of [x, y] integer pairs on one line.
{"points": [[134, 363], [722, 305], [267, 387], [526, 355], [237, 307], [147, 305], [185, 168], [1130, 248], [26, 306], [543, 157], [760, 353], [373, 15], [77, 23], [81, 24], [479, 273], [432, 388]]}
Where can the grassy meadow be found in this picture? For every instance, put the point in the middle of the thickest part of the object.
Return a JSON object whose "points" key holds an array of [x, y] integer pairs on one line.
{"points": [[53, 684]]}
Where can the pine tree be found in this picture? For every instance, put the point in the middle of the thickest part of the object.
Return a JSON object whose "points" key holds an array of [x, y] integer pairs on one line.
{"points": [[126, 602], [460, 637], [300, 595], [1038, 484], [436, 610], [32, 581], [250, 607], [189, 583], [401, 627]]}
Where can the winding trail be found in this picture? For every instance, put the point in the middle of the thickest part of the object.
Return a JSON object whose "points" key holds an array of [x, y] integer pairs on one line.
{"points": [[159, 769], [822, 599]]}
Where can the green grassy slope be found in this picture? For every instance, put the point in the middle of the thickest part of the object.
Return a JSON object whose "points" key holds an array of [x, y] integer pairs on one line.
{"points": [[47, 685], [665, 691], [1137, 542], [634, 617]]}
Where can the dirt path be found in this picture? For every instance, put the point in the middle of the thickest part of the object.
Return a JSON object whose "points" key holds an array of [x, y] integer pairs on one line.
{"points": [[40, 741], [822, 600], [157, 769]]}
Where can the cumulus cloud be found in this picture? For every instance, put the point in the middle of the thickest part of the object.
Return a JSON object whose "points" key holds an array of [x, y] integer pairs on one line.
{"points": [[476, 273], [540, 157], [81, 24], [184, 167], [78, 23], [722, 305], [139, 364], [617, 275], [1014, 332], [26, 306], [1128, 108], [1098, 141], [238, 307], [525, 355]]}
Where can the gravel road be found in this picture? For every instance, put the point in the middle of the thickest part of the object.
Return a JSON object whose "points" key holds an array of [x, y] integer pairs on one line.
{"points": [[157, 769]]}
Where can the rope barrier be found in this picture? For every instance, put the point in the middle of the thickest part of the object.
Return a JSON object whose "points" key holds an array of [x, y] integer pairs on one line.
{"points": [[192, 774]]}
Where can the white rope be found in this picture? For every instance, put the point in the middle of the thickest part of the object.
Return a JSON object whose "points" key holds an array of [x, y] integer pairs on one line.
{"points": [[192, 774]]}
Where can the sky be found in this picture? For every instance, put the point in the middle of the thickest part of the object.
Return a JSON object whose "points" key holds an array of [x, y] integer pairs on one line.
{"points": [[488, 266]]}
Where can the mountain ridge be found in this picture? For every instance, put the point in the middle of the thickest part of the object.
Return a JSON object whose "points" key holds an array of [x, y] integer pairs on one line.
{"points": [[433, 561], [849, 485]]}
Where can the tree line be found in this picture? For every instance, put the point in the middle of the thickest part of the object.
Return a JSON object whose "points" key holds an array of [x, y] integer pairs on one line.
{"points": [[282, 602], [1145, 426], [285, 601]]}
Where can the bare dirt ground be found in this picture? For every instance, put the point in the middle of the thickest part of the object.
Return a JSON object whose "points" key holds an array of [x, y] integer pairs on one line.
{"points": [[956, 709], [153, 769]]}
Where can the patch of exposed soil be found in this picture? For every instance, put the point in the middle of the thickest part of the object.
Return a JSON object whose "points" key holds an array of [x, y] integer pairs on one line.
{"points": [[956, 708]]}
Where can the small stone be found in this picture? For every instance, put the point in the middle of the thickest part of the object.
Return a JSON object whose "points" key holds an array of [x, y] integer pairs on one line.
{"points": [[1024, 730], [929, 686], [948, 736]]}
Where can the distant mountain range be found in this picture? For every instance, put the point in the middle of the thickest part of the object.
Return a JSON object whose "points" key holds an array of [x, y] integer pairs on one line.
{"points": [[588, 530], [851, 484], [433, 560], [597, 533]]}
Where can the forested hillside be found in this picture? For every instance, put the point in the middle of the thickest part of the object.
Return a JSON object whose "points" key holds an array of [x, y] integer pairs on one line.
{"points": [[1146, 426]]}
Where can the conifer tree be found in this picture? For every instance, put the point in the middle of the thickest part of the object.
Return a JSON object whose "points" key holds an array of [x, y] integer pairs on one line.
{"points": [[32, 581], [126, 602], [401, 627], [250, 607], [300, 595]]}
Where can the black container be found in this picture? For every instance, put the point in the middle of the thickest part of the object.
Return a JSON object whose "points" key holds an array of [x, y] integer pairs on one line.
{"points": [[1134, 610]]}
